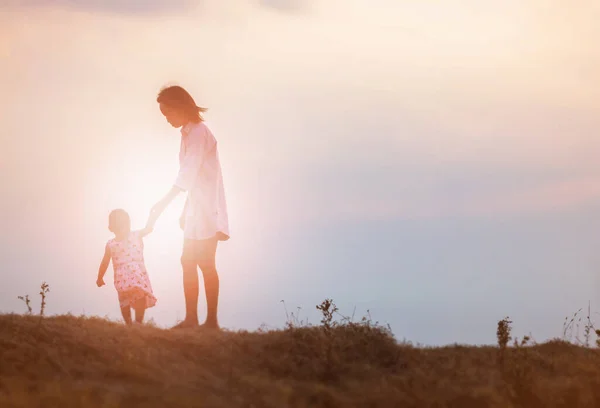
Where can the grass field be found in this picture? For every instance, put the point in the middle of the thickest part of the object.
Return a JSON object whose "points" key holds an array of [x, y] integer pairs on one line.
{"points": [[67, 361]]}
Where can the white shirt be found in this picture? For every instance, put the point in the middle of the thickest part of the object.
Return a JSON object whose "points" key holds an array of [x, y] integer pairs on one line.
{"points": [[200, 175]]}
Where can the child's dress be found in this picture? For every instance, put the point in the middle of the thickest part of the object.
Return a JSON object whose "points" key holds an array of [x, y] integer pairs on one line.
{"points": [[131, 278]]}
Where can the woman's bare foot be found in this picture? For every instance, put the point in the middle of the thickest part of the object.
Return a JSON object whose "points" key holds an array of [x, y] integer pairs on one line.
{"points": [[210, 325], [186, 324]]}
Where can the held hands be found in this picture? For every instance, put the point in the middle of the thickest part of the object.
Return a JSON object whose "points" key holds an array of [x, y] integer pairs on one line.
{"points": [[155, 212], [100, 282], [159, 207]]}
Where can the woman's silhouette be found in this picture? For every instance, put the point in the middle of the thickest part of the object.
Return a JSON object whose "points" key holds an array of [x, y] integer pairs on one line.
{"points": [[204, 219]]}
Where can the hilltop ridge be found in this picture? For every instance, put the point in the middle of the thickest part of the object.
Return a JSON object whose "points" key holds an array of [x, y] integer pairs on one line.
{"points": [[67, 361]]}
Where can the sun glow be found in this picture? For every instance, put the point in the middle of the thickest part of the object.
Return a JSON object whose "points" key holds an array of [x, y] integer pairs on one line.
{"points": [[135, 180]]}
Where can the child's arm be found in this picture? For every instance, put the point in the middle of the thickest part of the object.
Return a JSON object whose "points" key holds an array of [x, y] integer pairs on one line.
{"points": [[103, 267], [149, 226], [145, 231]]}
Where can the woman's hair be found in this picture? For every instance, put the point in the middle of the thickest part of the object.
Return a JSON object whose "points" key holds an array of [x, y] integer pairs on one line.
{"points": [[118, 220], [179, 98]]}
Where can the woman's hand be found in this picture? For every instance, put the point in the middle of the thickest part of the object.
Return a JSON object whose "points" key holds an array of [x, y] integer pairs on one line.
{"points": [[100, 282], [152, 218], [158, 208], [155, 213]]}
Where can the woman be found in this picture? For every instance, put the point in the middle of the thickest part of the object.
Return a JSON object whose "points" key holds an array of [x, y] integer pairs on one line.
{"points": [[204, 219]]}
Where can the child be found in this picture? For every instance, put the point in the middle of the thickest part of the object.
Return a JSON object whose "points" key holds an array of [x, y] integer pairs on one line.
{"points": [[130, 276]]}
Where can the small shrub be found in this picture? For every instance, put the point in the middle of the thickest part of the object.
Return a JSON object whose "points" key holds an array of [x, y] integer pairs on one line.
{"points": [[44, 290], [27, 303], [328, 309], [293, 320], [515, 366], [569, 325], [588, 328], [503, 336]]}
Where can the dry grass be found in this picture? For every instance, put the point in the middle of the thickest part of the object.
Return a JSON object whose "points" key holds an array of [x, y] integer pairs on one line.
{"points": [[71, 361]]}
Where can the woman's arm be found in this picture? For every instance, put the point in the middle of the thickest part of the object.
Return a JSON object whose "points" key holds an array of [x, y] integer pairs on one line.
{"points": [[188, 170], [103, 267], [159, 207]]}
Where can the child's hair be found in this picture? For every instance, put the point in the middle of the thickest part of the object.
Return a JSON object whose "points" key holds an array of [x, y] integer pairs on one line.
{"points": [[118, 220]]}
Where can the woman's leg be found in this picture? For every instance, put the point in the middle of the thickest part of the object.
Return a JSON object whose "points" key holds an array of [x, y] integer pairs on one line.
{"points": [[140, 310], [211, 290], [200, 253], [208, 267], [190, 283]]}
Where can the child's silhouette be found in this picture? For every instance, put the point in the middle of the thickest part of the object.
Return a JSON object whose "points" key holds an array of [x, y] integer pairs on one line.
{"points": [[126, 250]]}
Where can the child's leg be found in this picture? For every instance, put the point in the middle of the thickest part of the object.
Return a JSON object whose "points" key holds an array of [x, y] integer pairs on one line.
{"points": [[126, 312], [140, 310]]}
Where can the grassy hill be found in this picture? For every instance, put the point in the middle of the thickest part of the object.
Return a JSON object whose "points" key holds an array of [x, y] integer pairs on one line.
{"points": [[67, 361]]}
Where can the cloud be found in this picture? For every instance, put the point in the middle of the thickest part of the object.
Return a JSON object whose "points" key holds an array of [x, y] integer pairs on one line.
{"points": [[139, 7], [130, 7]]}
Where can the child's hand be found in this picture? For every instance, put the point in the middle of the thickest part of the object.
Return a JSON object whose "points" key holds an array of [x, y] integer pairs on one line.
{"points": [[100, 282]]}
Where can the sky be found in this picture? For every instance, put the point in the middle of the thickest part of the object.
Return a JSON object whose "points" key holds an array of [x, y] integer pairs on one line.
{"points": [[432, 163]]}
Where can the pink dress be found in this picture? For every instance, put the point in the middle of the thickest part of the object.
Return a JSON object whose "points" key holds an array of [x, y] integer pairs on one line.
{"points": [[131, 278]]}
